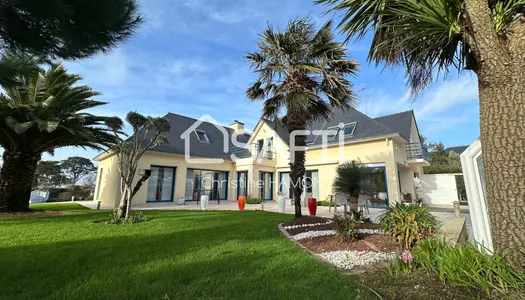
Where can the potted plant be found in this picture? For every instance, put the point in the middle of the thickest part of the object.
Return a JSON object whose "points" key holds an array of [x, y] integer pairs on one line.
{"points": [[352, 179]]}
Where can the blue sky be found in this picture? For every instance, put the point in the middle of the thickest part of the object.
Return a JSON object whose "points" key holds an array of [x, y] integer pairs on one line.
{"points": [[188, 58]]}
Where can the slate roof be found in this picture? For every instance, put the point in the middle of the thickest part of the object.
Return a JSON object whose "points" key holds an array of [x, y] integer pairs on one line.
{"points": [[457, 149], [400, 122], [367, 128], [213, 149]]}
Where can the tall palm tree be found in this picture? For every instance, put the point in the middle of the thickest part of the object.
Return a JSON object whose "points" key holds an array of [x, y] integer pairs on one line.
{"points": [[301, 74], [429, 37], [44, 112]]}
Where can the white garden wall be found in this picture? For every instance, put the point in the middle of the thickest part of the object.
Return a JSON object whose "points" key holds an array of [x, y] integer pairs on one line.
{"points": [[439, 189]]}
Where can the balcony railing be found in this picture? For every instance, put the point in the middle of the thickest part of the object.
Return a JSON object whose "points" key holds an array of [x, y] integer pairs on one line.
{"points": [[416, 151], [255, 151]]}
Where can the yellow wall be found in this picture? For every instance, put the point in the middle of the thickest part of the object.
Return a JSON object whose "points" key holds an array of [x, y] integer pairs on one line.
{"points": [[378, 152], [110, 185], [263, 131], [386, 152], [107, 188]]}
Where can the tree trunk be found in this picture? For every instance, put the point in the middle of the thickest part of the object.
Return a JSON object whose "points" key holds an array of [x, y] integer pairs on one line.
{"points": [[122, 207], [502, 117], [499, 65], [297, 169], [16, 179]]}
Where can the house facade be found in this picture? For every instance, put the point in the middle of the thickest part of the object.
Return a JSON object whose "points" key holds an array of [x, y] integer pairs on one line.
{"points": [[203, 158]]}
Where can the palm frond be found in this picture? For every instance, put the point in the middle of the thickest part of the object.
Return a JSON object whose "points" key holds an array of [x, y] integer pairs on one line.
{"points": [[45, 110], [301, 72]]}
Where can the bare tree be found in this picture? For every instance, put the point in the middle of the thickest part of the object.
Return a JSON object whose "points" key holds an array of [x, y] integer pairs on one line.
{"points": [[147, 133]]}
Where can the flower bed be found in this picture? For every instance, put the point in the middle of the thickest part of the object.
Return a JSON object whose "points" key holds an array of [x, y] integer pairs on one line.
{"points": [[319, 236]]}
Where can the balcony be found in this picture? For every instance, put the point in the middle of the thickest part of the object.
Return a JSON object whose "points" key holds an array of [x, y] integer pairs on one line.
{"points": [[255, 151], [416, 153]]}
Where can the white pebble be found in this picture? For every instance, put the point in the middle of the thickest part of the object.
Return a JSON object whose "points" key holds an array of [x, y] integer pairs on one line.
{"points": [[311, 234], [349, 259]]}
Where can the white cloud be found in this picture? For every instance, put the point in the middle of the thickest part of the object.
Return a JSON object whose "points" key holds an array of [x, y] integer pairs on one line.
{"points": [[446, 95]]}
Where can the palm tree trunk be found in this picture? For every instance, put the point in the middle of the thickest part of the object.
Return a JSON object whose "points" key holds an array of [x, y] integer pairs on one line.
{"points": [[16, 179], [502, 117], [501, 83], [297, 168]]}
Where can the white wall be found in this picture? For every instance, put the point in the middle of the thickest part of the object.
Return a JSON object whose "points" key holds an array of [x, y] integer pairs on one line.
{"points": [[439, 189]]}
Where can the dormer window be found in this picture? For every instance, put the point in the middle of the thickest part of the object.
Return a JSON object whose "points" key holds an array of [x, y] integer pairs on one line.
{"points": [[201, 136], [332, 132], [349, 128]]}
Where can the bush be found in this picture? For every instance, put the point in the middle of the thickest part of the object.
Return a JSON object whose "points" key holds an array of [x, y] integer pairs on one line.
{"points": [[465, 265], [134, 218], [345, 226], [326, 203], [408, 224], [254, 201], [54, 193]]}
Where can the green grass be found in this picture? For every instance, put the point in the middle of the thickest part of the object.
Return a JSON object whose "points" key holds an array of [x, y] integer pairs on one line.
{"points": [[176, 255]]}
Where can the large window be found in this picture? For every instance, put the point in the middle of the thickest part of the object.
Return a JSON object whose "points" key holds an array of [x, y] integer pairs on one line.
{"points": [[161, 184], [310, 184], [266, 185], [206, 182]]}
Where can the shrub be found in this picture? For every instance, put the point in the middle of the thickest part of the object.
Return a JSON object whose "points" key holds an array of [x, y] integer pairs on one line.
{"points": [[465, 265], [254, 201], [54, 193], [345, 226], [326, 203], [138, 217], [408, 224]]}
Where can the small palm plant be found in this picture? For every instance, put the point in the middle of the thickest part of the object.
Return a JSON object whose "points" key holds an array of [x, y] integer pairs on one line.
{"points": [[352, 179], [43, 112], [302, 77]]}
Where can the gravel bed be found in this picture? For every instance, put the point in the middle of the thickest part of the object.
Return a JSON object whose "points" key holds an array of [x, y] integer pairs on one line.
{"points": [[349, 259]]}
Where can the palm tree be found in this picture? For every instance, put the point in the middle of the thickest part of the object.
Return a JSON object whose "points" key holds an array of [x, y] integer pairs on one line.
{"points": [[302, 72], [429, 37], [42, 113], [352, 179]]}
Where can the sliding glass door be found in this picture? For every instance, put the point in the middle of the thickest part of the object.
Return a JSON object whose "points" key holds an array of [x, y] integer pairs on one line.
{"points": [[206, 182], [161, 184], [266, 185]]}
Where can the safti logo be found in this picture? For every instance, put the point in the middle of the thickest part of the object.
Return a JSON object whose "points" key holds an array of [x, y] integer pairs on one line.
{"points": [[257, 152]]}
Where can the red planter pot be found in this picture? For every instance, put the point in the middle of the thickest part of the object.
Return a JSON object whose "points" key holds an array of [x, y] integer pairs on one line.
{"points": [[312, 206], [241, 201]]}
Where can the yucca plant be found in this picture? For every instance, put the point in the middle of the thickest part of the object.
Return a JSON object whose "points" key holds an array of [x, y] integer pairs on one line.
{"points": [[302, 74], [408, 224], [428, 38], [42, 112]]}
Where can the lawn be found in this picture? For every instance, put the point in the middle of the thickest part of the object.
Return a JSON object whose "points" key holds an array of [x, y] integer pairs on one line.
{"points": [[175, 255]]}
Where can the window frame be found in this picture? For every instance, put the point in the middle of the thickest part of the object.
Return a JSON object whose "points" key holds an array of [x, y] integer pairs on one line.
{"points": [[347, 125], [173, 182], [206, 139]]}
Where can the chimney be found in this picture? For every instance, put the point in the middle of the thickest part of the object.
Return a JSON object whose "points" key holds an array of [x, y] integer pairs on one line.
{"points": [[237, 126]]}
